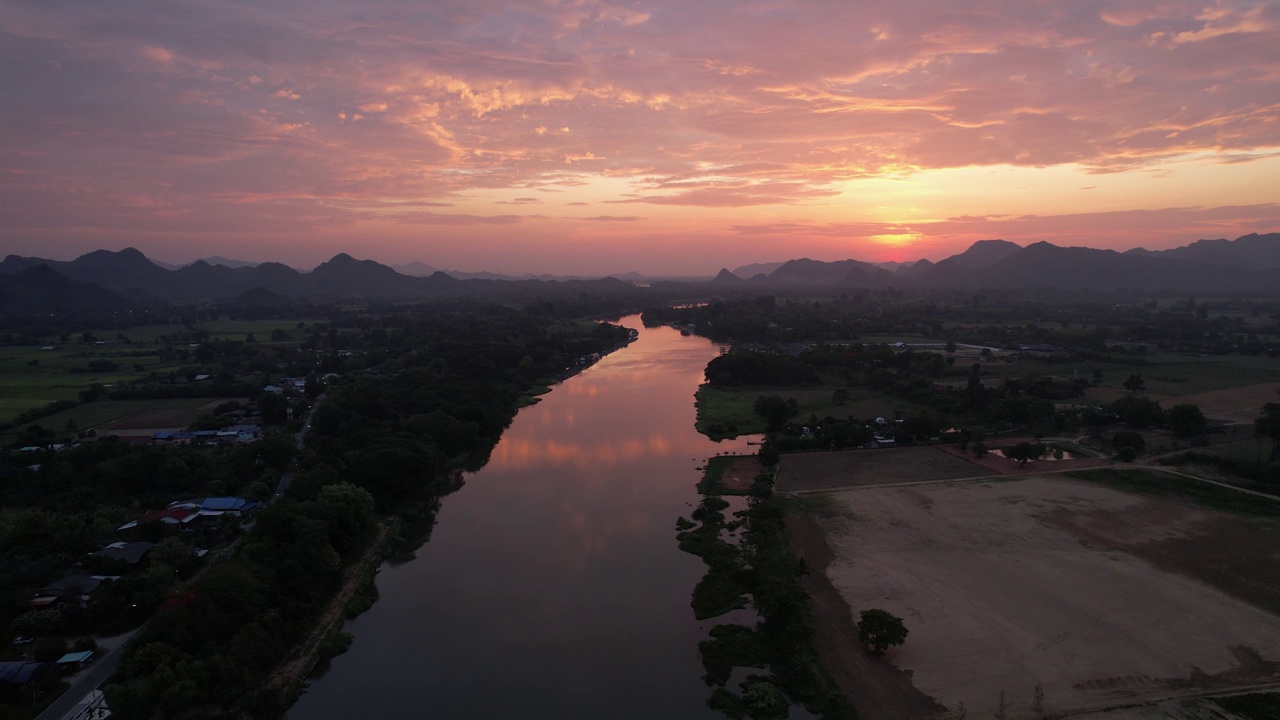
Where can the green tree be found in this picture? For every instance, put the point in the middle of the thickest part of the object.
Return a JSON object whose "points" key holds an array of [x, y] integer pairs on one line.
{"points": [[1134, 383], [38, 622], [880, 629], [775, 411], [1268, 426], [763, 700], [1024, 452], [1128, 439], [171, 559], [1186, 420], [348, 512], [840, 396], [1138, 411]]}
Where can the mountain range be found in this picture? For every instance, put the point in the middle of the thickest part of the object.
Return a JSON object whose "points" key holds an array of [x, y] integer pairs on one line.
{"points": [[110, 281], [1247, 264]]}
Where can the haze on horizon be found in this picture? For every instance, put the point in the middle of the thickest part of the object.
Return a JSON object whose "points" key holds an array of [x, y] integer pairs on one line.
{"points": [[661, 137]]}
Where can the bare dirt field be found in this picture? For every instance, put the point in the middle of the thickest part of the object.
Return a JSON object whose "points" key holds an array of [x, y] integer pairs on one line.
{"points": [[1102, 598], [1240, 404], [852, 468], [168, 414], [742, 471]]}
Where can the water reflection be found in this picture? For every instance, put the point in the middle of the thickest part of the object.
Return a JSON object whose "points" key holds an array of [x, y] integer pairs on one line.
{"points": [[551, 586]]}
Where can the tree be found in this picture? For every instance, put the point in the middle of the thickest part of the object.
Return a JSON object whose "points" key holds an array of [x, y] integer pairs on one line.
{"points": [[879, 629], [763, 700], [1134, 383], [1138, 411], [1186, 420], [775, 411], [172, 558], [347, 511], [1268, 426], [840, 396], [1024, 452], [1128, 439], [951, 347]]}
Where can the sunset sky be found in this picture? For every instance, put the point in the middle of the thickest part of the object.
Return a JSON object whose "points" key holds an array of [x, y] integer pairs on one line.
{"points": [[663, 137]]}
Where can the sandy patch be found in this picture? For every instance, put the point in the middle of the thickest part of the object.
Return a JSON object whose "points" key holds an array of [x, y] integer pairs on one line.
{"points": [[1010, 584], [852, 468]]}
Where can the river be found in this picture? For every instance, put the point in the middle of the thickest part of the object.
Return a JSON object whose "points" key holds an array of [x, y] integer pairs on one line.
{"points": [[552, 586]]}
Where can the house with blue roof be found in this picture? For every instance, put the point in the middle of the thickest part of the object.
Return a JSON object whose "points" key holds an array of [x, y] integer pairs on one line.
{"points": [[22, 673]]}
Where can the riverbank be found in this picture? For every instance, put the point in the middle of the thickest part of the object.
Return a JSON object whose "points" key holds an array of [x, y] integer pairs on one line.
{"points": [[289, 679], [566, 529], [761, 571]]}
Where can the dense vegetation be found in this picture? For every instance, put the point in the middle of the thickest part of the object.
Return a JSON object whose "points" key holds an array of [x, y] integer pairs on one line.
{"points": [[415, 396], [763, 567]]}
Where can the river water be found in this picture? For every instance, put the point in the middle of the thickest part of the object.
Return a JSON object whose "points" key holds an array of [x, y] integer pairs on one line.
{"points": [[552, 586]]}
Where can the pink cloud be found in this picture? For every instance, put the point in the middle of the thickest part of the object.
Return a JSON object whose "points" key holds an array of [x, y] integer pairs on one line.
{"points": [[284, 117]]}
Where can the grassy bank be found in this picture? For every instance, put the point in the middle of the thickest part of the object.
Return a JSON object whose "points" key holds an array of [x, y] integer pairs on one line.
{"points": [[726, 413]]}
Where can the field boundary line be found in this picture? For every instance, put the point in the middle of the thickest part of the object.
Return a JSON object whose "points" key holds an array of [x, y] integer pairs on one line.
{"points": [[988, 478], [1153, 699]]}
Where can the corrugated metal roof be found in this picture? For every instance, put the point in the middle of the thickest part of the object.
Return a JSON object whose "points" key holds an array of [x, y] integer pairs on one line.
{"points": [[20, 673]]}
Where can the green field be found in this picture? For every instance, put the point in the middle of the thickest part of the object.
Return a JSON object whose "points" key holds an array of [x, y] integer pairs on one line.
{"points": [[734, 408], [1175, 375], [88, 416], [32, 378]]}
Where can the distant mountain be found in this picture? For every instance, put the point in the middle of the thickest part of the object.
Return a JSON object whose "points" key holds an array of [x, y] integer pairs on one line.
{"points": [[226, 262], [894, 266], [1251, 251], [1043, 265], [985, 253], [343, 275], [749, 271], [842, 272], [257, 298], [41, 289], [415, 269], [123, 270], [727, 278], [127, 278], [1245, 264]]}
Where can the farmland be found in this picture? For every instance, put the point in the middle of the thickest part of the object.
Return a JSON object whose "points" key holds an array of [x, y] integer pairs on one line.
{"points": [[31, 376], [848, 468], [1098, 594]]}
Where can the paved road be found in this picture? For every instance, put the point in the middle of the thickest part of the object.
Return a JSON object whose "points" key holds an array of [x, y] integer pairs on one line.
{"points": [[105, 666], [99, 671], [287, 477]]}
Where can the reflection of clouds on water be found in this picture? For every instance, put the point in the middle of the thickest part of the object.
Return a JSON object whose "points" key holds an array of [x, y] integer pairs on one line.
{"points": [[528, 452], [558, 560]]}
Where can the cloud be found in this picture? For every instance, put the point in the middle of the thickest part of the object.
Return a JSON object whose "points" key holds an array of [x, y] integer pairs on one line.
{"points": [[611, 218], [286, 115], [430, 218]]}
